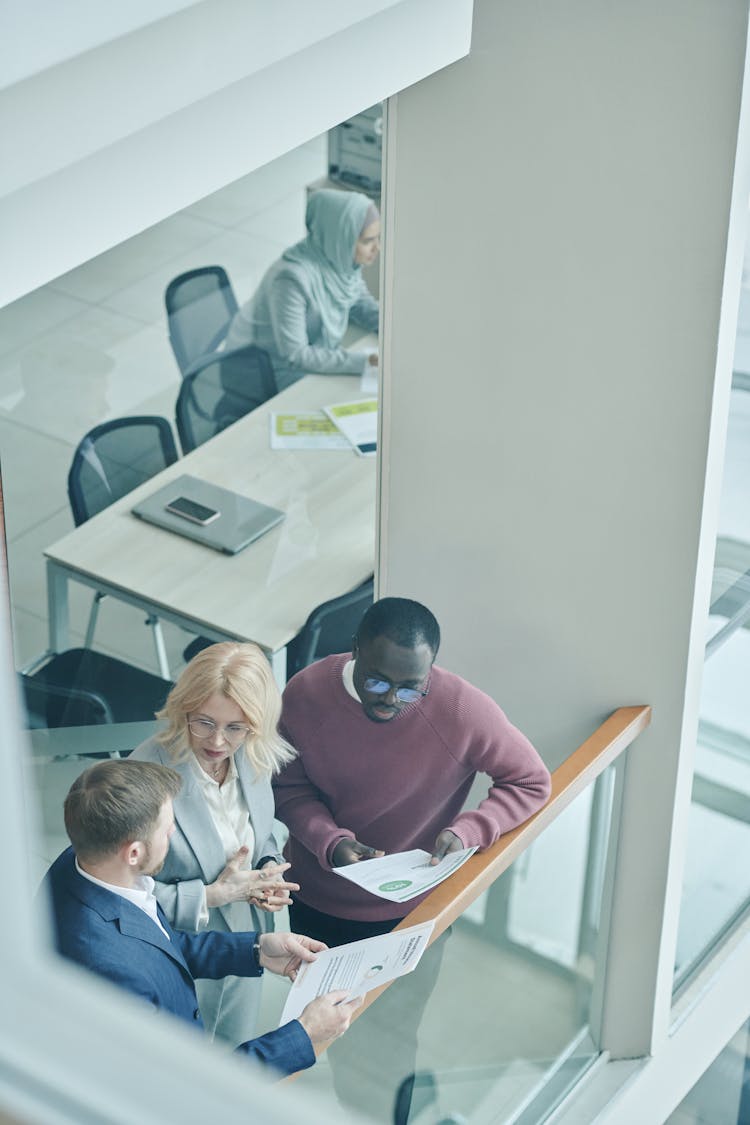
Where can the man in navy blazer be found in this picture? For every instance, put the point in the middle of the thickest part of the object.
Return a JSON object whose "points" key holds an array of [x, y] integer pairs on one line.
{"points": [[118, 815]]}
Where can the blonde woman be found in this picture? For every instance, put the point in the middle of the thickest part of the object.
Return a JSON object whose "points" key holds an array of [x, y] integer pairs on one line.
{"points": [[224, 870]]}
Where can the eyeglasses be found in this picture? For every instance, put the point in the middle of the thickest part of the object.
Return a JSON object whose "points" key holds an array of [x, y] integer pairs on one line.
{"points": [[234, 733], [380, 687]]}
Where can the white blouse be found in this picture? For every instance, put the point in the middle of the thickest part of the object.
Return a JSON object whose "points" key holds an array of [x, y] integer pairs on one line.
{"points": [[228, 809]]}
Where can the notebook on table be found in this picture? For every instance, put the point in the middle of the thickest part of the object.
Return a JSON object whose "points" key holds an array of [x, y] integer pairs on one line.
{"points": [[214, 516]]}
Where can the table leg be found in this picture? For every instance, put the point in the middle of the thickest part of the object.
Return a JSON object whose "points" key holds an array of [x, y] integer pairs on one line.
{"points": [[57, 608], [161, 651]]}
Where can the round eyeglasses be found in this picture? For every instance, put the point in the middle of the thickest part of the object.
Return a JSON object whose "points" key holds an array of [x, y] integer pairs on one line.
{"points": [[404, 694], [233, 733]]}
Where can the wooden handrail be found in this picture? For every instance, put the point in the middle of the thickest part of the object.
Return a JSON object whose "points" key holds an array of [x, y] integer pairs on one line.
{"points": [[575, 774]]}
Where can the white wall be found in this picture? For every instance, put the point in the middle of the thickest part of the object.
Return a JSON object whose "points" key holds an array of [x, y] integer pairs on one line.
{"points": [[559, 223]]}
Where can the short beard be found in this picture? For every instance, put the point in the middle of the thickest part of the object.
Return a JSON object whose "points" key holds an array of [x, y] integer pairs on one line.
{"points": [[146, 868]]}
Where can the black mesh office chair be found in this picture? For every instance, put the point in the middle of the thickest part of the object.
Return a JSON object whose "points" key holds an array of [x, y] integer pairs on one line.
{"points": [[219, 390], [110, 461], [81, 687], [114, 458], [329, 628], [200, 305]]}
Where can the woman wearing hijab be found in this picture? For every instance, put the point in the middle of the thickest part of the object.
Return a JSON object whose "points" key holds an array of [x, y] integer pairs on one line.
{"points": [[223, 871], [304, 303]]}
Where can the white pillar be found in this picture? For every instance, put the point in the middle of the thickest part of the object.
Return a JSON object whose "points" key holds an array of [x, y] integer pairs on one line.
{"points": [[557, 231]]}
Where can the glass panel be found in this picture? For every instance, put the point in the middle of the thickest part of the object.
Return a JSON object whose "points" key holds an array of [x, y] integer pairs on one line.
{"points": [[716, 885], [722, 1095], [58, 756], [498, 1019], [93, 346]]}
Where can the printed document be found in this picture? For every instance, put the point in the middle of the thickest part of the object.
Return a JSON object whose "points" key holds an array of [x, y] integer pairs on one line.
{"points": [[358, 421], [313, 430], [357, 967], [403, 875]]}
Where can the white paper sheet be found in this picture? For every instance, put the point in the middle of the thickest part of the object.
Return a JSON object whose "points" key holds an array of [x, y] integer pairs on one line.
{"points": [[403, 875], [357, 967], [368, 383]]}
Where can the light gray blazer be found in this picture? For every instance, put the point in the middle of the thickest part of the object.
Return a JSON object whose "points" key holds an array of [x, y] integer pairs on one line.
{"points": [[196, 855]]}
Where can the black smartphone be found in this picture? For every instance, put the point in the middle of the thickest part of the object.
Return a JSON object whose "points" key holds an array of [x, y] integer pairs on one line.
{"points": [[191, 510]]}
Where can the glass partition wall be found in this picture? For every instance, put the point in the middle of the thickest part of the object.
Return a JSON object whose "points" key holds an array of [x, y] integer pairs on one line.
{"points": [[499, 1020], [503, 1007], [716, 886], [722, 1094], [93, 345], [89, 347]]}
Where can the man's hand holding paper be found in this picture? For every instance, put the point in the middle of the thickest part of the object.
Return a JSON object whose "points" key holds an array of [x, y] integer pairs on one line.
{"points": [[404, 875], [446, 842], [352, 970], [352, 851]]}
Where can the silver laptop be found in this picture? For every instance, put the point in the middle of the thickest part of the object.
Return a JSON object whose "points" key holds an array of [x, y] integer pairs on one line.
{"points": [[208, 514]]}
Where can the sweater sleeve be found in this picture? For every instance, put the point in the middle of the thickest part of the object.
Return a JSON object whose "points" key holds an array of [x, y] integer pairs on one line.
{"points": [[300, 806], [288, 308], [520, 780]]}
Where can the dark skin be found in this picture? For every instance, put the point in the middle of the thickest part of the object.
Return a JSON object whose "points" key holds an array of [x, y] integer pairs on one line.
{"points": [[409, 667]]}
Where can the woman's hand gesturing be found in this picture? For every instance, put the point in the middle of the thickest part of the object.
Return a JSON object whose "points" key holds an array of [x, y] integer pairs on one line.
{"points": [[265, 889]]}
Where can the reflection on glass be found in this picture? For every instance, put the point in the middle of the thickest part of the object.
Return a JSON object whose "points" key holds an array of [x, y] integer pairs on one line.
{"points": [[499, 1013], [716, 886], [90, 347], [722, 1094], [302, 308]]}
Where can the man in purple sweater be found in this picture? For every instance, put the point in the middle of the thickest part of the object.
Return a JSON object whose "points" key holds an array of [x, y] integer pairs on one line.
{"points": [[388, 746]]}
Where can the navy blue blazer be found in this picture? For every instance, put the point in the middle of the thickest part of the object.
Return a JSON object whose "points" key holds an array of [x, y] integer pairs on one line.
{"points": [[105, 932]]}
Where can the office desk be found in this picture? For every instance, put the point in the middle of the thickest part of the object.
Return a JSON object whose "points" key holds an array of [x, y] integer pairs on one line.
{"points": [[324, 547]]}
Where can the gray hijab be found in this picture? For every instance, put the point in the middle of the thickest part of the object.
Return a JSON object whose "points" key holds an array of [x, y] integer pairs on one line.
{"points": [[334, 221]]}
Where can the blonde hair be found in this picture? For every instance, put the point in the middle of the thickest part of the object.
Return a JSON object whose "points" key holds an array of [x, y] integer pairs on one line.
{"points": [[241, 673]]}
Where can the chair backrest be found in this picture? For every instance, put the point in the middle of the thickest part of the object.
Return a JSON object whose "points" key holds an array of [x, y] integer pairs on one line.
{"points": [[221, 389], [200, 304], [52, 705], [81, 686], [329, 628], [116, 457]]}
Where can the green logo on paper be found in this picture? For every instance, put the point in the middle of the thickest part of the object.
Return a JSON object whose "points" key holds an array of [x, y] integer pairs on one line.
{"points": [[395, 885]]}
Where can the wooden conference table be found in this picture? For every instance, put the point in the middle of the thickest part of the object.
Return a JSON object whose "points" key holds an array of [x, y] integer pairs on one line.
{"points": [[324, 547]]}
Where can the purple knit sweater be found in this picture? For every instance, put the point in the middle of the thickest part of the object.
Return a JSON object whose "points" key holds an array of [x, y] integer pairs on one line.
{"points": [[394, 785]]}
